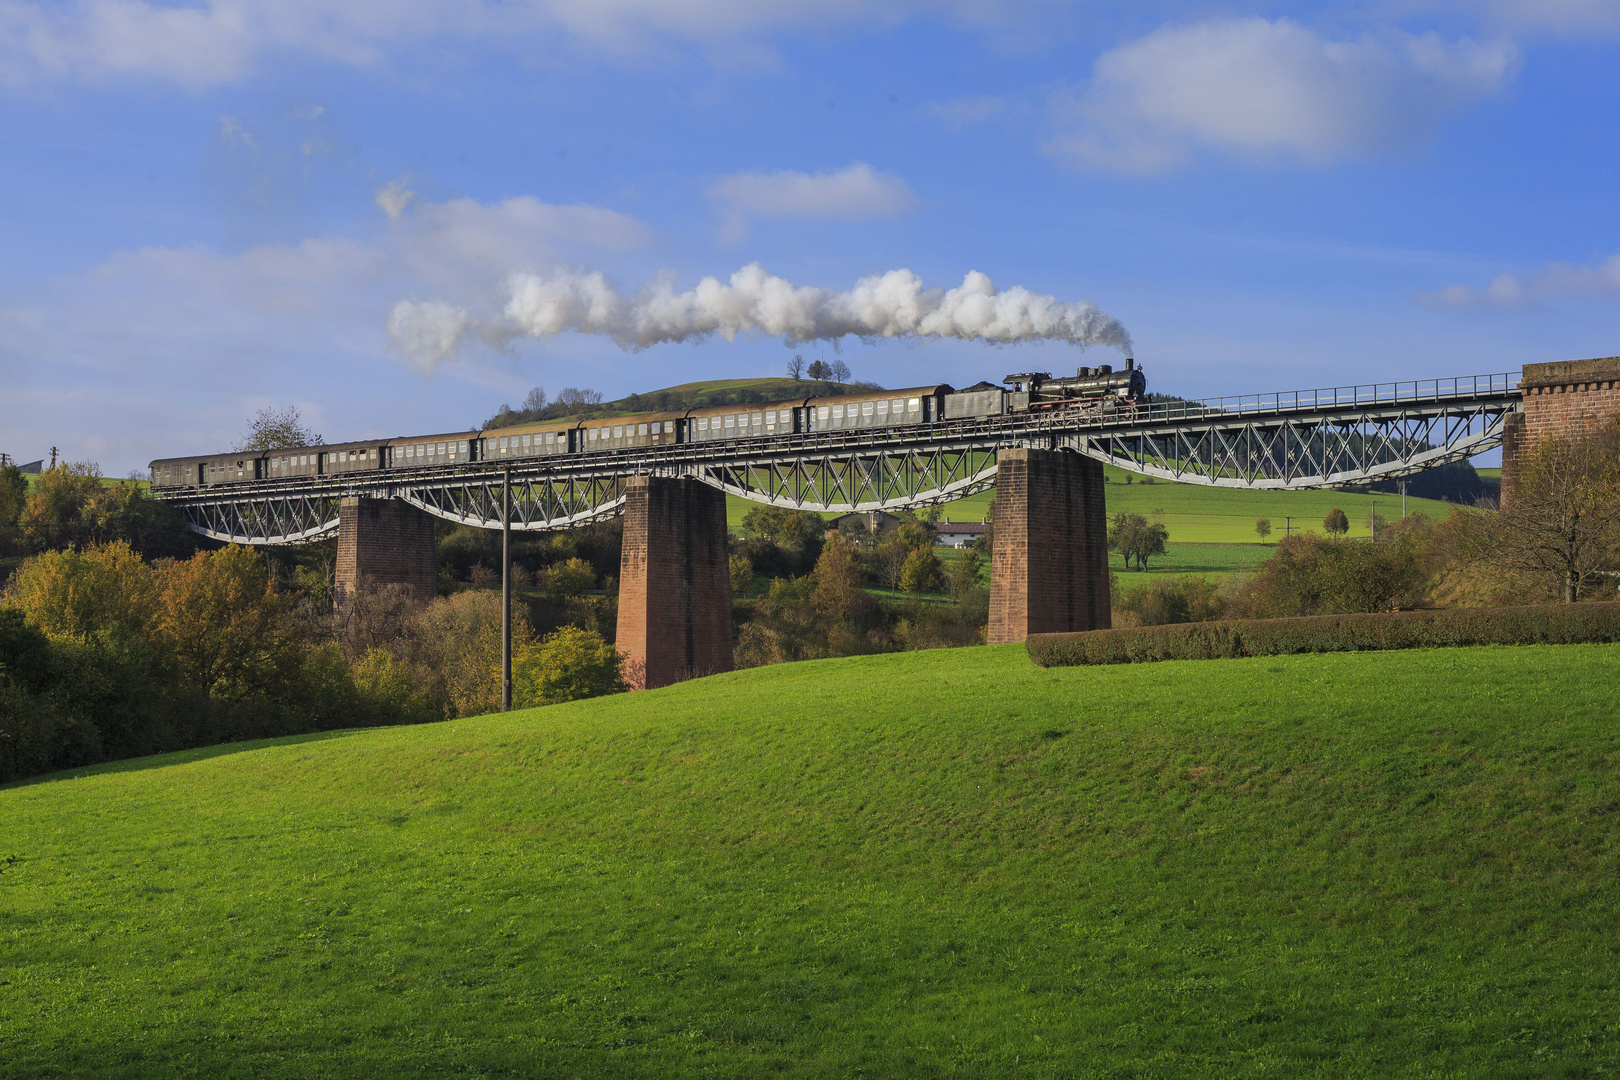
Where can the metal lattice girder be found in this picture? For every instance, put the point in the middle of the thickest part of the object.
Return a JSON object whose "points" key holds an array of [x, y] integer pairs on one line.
{"points": [[296, 519], [885, 479], [1303, 439], [538, 502], [1301, 451]]}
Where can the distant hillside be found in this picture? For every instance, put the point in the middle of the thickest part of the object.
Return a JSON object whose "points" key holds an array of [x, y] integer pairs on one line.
{"points": [[685, 396]]}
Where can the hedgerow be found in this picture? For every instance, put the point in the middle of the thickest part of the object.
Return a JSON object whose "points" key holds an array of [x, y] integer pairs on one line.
{"points": [[1541, 624]]}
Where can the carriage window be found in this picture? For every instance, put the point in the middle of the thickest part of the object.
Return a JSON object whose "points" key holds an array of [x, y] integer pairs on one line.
{"points": [[441, 447], [618, 431], [463, 446], [883, 408], [898, 404], [838, 412], [731, 421], [503, 442], [594, 433], [657, 426], [824, 411], [759, 420], [866, 408], [551, 437], [642, 430], [915, 404]]}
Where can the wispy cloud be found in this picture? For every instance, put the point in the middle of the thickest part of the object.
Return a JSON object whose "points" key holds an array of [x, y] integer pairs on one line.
{"points": [[965, 112], [220, 41], [856, 192], [1551, 282], [1260, 88]]}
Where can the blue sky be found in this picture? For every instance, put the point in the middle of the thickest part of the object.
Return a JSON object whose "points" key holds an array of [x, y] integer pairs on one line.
{"points": [[398, 215]]}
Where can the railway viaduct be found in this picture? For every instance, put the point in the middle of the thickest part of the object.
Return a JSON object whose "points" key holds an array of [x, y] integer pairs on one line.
{"points": [[1049, 569]]}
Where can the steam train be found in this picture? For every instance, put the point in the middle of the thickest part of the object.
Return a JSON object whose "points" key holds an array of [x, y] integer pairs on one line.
{"points": [[1092, 390]]}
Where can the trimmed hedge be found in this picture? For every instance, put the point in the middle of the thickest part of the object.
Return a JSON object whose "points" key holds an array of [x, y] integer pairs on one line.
{"points": [[1541, 624]]}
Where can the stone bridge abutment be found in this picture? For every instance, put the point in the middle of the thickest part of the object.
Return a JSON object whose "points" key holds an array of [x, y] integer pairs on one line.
{"points": [[1567, 398]]}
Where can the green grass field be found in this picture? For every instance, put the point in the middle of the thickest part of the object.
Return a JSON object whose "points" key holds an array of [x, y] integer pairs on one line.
{"points": [[1197, 514], [930, 864]]}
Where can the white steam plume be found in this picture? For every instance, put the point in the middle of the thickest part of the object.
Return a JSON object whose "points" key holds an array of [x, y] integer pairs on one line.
{"points": [[755, 303]]}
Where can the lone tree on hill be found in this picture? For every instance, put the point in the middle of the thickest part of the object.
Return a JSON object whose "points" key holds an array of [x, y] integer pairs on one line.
{"points": [[795, 367], [273, 430], [838, 371], [1262, 528], [536, 400], [819, 370], [1336, 522]]}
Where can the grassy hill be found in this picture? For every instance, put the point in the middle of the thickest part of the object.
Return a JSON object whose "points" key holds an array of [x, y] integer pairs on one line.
{"points": [[931, 864]]}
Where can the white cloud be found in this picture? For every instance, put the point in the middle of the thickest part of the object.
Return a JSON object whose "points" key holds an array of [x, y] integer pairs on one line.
{"points": [[1551, 282], [1557, 16], [754, 303], [1262, 88], [854, 193], [218, 41], [393, 197], [153, 349]]}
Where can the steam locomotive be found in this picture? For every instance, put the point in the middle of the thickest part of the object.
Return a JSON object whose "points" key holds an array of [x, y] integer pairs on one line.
{"points": [[1092, 391]]}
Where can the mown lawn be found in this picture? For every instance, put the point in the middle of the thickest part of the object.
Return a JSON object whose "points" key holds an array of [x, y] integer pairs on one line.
{"points": [[934, 864]]}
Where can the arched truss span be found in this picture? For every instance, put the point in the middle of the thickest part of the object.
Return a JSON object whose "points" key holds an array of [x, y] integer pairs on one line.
{"points": [[1311, 439]]}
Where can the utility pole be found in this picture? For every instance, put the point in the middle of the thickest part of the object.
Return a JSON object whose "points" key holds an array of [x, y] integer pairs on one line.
{"points": [[1288, 526], [506, 590], [1402, 485], [1372, 519]]}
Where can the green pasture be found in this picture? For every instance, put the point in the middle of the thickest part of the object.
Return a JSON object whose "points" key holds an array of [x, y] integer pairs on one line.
{"points": [[931, 864], [1194, 513]]}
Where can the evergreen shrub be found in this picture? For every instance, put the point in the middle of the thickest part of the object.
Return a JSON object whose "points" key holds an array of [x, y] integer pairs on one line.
{"points": [[1540, 624]]}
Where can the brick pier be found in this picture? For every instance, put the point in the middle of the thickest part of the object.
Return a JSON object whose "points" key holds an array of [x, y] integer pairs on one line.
{"points": [[1049, 566], [384, 542], [1570, 397], [674, 582]]}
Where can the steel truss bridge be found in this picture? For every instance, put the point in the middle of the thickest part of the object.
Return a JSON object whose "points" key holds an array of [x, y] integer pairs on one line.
{"points": [[1287, 441]]}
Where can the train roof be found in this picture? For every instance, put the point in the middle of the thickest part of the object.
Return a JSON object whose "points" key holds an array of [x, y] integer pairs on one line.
{"points": [[404, 440]]}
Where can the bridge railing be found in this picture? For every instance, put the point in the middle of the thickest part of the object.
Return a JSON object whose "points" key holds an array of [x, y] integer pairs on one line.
{"points": [[1337, 397]]}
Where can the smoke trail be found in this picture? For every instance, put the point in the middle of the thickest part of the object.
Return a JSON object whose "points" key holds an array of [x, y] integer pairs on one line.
{"points": [[754, 303]]}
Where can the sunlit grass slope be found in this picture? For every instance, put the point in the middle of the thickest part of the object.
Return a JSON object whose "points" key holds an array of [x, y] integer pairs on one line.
{"points": [[932, 864]]}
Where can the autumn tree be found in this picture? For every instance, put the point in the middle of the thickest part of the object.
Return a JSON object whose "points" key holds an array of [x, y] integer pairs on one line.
{"points": [[742, 574], [1561, 520], [228, 629], [965, 574], [1262, 528], [273, 429], [1336, 523], [13, 494], [569, 578], [921, 572], [71, 595], [568, 665]]}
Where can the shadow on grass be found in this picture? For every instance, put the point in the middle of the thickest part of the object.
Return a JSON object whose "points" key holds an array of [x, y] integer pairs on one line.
{"points": [[179, 757]]}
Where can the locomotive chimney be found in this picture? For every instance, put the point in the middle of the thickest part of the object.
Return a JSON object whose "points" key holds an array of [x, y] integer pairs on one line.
{"points": [[1130, 364]]}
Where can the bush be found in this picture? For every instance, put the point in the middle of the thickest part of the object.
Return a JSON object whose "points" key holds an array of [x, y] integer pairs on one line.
{"points": [[1541, 624], [1168, 600], [567, 666]]}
